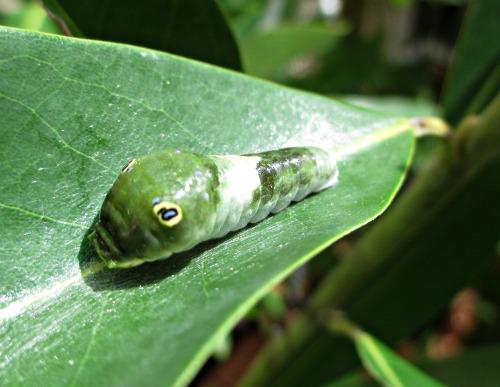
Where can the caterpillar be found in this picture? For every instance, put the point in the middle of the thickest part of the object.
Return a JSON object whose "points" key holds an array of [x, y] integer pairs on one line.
{"points": [[172, 200]]}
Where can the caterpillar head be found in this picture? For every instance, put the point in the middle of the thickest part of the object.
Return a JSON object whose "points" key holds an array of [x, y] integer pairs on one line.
{"points": [[159, 204]]}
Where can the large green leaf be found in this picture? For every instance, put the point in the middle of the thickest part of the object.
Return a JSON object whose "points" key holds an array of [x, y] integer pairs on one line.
{"points": [[196, 29], [72, 112]]}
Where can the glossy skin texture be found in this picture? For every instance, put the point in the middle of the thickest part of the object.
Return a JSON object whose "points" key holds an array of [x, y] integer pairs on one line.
{"points": [[170, 201]]}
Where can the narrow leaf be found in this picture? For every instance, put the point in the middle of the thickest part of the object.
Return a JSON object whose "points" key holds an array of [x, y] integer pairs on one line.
{"points": [[474, 76], [387, 367]]}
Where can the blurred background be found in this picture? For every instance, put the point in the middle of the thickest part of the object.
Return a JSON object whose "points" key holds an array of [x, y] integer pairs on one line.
{"points": [[333, 47]]}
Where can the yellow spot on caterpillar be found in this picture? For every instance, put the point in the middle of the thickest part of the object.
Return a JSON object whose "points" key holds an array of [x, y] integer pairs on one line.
{"points": [[169, 213]]}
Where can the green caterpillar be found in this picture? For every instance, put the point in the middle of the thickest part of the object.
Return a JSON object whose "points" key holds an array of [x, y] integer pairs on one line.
{"points": [[170, 201]]}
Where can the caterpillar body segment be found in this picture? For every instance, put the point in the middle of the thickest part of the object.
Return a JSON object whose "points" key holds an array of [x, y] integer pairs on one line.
{"points": [[172, 200]]}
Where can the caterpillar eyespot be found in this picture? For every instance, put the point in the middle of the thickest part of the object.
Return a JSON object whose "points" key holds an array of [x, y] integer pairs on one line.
{"points": [[170, 201], [168, 213]]}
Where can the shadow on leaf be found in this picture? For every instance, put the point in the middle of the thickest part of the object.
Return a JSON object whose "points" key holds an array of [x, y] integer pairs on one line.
{"points": [[97, 276]]}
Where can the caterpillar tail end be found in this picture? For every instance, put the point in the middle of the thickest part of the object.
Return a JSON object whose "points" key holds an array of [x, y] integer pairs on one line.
{"points": [[334, 168]]}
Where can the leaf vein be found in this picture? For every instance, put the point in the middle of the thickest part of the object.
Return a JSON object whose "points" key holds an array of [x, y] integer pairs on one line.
{"points": [[55, 131], [42, 216], [90, 345]]}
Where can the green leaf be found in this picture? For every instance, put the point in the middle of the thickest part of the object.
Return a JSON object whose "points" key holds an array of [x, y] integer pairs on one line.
{"points": [[387, 367], [73, 112], [246, 16], [269, 53], [397, 105], [474, 76], [196, 29], [28, 15]]}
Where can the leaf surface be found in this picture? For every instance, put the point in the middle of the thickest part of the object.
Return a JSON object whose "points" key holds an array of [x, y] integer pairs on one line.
{"points": [[72, 113]]}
